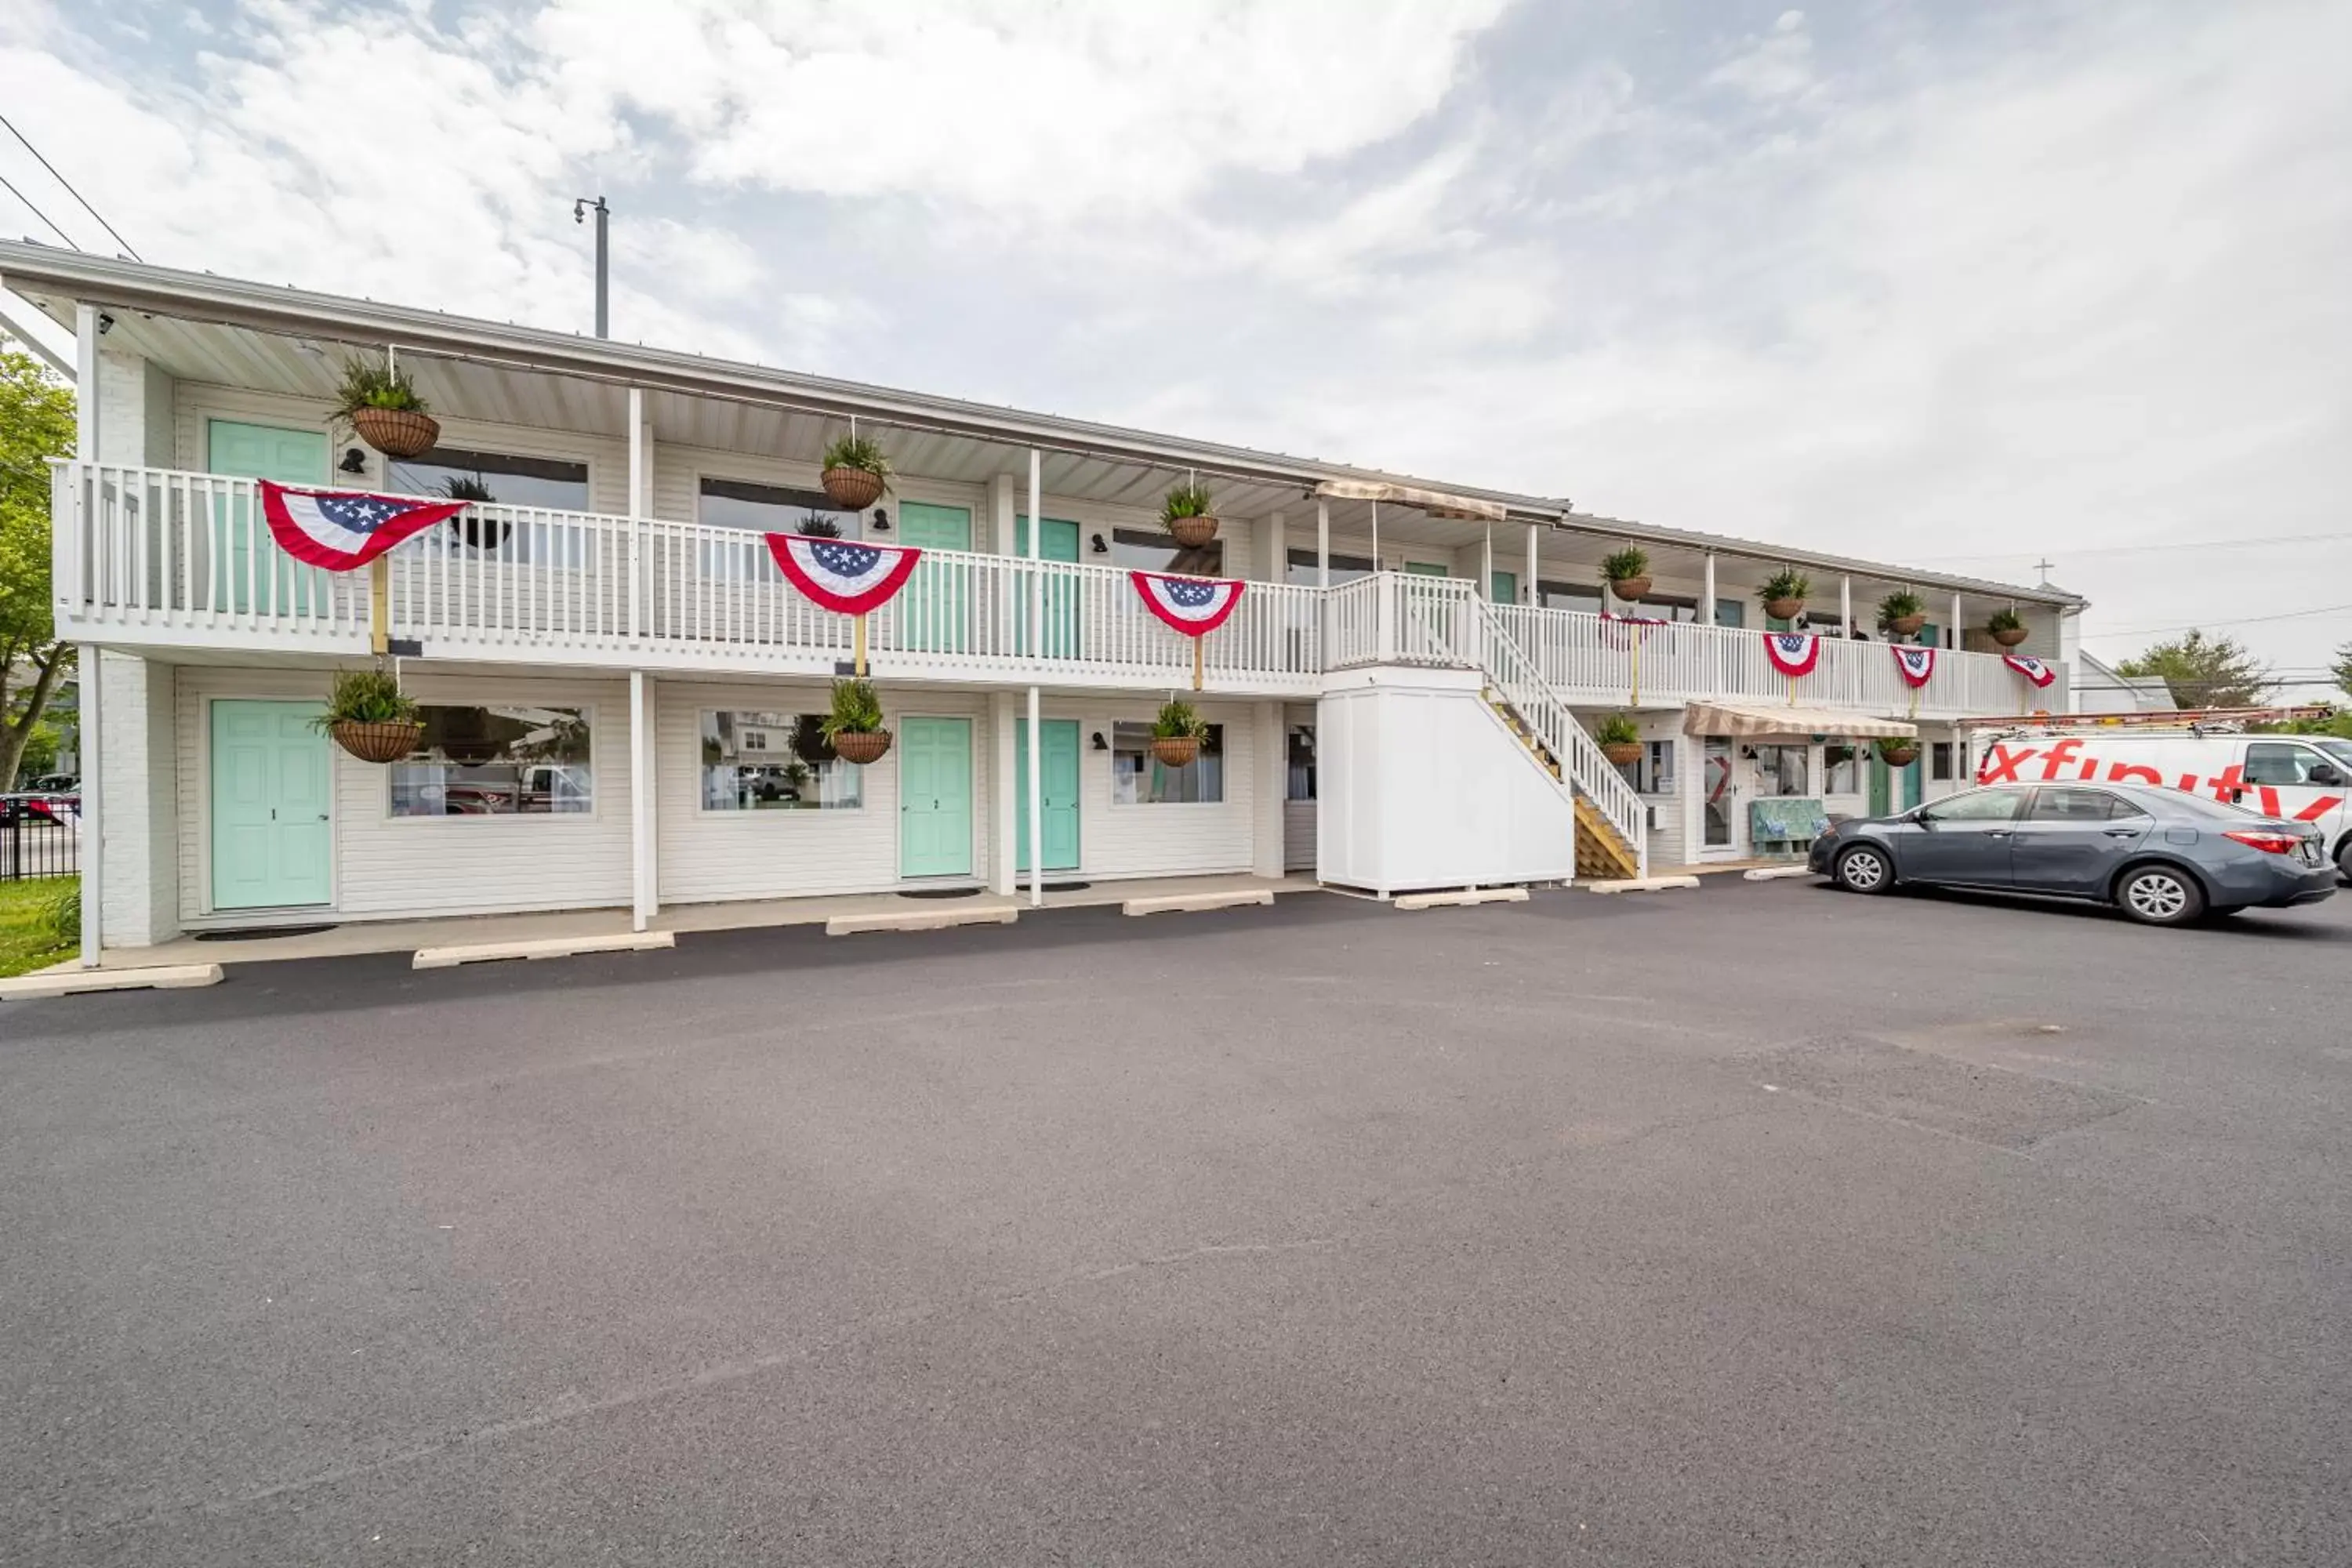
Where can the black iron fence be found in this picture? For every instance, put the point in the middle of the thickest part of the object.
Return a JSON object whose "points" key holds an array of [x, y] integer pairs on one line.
{"points": [[38, 837]]}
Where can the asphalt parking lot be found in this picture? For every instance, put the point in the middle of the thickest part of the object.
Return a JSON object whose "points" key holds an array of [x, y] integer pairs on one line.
{"points": [[1758, 1224]]}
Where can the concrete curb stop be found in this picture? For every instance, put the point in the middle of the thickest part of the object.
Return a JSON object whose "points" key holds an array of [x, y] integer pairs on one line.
{"points": [[1462, 899], [920, 920], [75, 982], [1642, 885], [543, 947]]}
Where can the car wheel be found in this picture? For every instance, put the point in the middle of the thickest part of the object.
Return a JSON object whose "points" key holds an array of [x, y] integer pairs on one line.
{"points": [[2160, 896], [1863, 869], [2344, 860]]}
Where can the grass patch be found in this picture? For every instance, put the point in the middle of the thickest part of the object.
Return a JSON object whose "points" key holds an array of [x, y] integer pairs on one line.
{"points": [[36, 930]]}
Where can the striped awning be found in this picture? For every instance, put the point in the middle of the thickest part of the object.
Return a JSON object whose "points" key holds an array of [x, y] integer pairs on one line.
{"points": [[1436, 504], [1762, 721]]}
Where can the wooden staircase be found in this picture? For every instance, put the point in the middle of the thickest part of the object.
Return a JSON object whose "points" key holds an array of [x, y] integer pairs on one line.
{"points": [[1601, 850]]}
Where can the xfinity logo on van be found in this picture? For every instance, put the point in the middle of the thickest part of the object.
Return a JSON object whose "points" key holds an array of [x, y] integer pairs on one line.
{"points": [[2067, 759]]}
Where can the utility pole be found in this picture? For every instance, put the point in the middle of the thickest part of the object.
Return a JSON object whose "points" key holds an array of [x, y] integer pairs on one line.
{"points": [[581, 207]]}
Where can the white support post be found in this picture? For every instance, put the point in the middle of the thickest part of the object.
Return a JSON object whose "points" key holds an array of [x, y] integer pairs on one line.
{"points": [[1487, 566], [1952, 631], [1004, 506], [645, 888], [640, 491], [91, 722], [1275, 549], [1322, 543], [1707, 599], [1003, 805], [1376, 536], [1529, 592], [1036, 799], [1270, 778], [1845, 606], [85, 382]]}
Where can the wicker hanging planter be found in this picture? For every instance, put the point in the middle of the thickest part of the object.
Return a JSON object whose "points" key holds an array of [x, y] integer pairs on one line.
{"points": [[1906, 626], [1623, 754], [852, 489], [1192, 533], [397, 432], [2010, 637], [377, 740], [1175, 750], [1898, 754], [1784, 609], [1633, 590], [861, 746]]}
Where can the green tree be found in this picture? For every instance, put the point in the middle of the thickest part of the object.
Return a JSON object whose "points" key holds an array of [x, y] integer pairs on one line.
{"points": [[37, 423], [2342, 668], [2204, 672]]}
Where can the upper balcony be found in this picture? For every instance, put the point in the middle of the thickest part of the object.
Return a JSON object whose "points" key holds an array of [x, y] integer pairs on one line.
{"points": [[170, 559]]}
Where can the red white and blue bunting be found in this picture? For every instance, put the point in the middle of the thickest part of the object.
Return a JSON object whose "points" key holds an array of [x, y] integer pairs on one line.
{"points": [[1193, 605], [1793, 653], [343, 531], [1918, 665], [850, 578], [2033, 670]]}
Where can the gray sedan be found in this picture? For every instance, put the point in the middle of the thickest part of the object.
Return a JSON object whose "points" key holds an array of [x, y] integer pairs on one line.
{"points": [[2158, 855]]}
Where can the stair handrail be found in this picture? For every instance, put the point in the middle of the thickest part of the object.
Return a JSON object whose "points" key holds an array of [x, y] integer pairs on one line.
{"points": [[1513, 674]]}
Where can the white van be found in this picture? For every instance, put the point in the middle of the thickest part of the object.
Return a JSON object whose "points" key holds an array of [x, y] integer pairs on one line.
{"points": [[2304, 778]]}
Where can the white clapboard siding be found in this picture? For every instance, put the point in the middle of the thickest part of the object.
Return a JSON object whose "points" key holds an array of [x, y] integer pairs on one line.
{"points": [[710, 856], [1115, 841], [430, 866]]}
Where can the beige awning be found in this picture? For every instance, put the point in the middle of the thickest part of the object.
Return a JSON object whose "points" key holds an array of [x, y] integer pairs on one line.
{"points": [[1436, 504], [1762, 719]]}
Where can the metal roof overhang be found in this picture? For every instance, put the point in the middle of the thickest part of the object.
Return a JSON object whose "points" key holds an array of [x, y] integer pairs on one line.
{"points": [[55, 280]]}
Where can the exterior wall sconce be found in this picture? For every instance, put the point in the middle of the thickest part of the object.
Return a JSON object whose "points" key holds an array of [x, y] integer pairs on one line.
{"points": [[1101, 745], [881, 519], [1100, 548], [354, 461]]}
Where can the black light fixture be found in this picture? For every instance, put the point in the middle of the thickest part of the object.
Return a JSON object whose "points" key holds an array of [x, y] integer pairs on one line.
{"points": [[354, 461], [1101, 745], [1100, 548], [881, 519]]}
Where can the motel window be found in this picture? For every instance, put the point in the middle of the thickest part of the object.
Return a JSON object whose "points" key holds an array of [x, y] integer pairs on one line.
{"points": [[497, 762], [1666, 607], [1301, 757], [501, 478], [1939, 760], [1585, 597], [1139, 551], [1780, 770], [1654, 772], [771, 509], [1304, 563], [757, 760], [1841, 769], [1138, 780]]}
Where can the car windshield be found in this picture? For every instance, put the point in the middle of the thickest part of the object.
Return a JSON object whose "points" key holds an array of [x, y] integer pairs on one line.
{"points": [[2339, 750]]}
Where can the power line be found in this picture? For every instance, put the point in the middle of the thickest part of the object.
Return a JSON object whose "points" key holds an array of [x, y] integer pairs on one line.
{"points": [[2235, 621], [2139, 549], [69, 184], [37, 213]]}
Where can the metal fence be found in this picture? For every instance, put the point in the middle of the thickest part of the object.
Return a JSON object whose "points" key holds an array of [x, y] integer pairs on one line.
{"points": [[38, 840]]}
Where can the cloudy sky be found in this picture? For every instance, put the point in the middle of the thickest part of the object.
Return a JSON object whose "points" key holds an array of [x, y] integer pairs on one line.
{"points": [[1964, 283]]}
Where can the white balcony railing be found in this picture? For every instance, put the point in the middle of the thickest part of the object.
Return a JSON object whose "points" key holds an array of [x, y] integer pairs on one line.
{"points": [[163, 556]]}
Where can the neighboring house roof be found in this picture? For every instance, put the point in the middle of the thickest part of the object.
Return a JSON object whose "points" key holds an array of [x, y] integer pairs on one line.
{"points": [[55, 280], [2093, 674]]}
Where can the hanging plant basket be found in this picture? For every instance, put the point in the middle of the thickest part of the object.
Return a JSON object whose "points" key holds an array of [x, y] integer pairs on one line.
{"points": [[1192, 533], [1177, 751], [1906, 626], [377, 740], [1784, 609], [397, 432], [1898, 754], [2010, 637], [1633, 590], [861, 746], [480, 532], [1623, 754], [853, 489]]}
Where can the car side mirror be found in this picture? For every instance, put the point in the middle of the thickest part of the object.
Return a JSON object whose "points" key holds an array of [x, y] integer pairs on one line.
{"points": [[2323, 774]]}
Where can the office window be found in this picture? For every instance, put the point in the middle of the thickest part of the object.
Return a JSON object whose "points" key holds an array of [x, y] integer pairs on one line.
{"points": [[1136, 779], [1780, 770], [1939, 760], [764, 761], [1841, 769], [1301, 757], [1301, 568], [497, 762], [1140, 551]]}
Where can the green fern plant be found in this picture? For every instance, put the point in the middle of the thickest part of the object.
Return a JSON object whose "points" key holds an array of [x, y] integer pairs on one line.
{"points": [[1620, 565], [1187, 500], [365, 697], [1900, 606], [856, 711], [1179, 721], [1617, 730], [1788, 583], [860, 452], [2006, 621], [374, 384]]}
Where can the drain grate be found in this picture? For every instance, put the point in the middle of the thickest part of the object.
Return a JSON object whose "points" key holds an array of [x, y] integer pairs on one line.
{"points": [[259, 934]]}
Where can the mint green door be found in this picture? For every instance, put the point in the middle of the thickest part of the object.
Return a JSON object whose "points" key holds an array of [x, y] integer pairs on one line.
{"points": [[1882, 784], [247, 568], [1504, 588], [935, 797], [1057, 745], [269, 829], [1058, 541], [934, 608]]}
